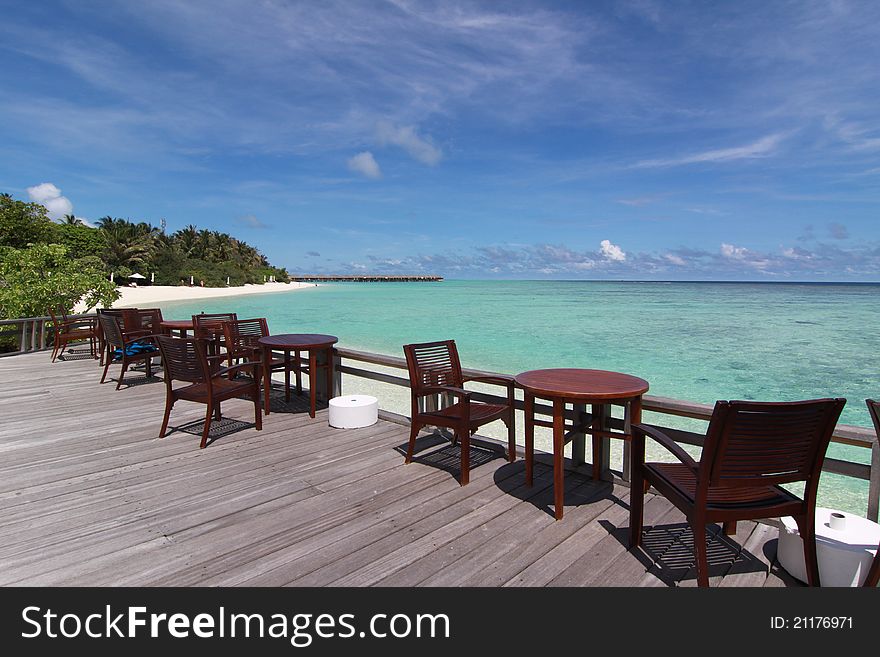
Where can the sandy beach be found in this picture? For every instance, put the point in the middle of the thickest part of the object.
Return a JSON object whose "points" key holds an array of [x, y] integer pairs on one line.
{"points": [[154, 294]]}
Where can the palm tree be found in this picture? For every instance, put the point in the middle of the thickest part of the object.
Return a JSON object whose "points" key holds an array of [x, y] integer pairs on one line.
{"points": [[128, 245], [185, 239], [71, 220]]}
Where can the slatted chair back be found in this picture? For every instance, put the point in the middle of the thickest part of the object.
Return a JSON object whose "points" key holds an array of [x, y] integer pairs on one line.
{"points": [[184, 359], [143, 319], [767, 443], [112, 330], [874, 410], [209, 325], [242, 334], [433, 364]]}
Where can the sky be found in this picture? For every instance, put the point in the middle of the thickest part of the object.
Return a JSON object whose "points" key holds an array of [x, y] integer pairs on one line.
{"points": [[644, 140]]}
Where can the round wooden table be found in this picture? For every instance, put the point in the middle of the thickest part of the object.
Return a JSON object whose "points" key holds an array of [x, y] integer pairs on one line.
{"points": [[311, 342], [579, 387], [179, 325]]}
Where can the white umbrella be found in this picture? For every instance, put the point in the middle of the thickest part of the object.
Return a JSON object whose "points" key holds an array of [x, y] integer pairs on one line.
{"points": [[136, 276]]}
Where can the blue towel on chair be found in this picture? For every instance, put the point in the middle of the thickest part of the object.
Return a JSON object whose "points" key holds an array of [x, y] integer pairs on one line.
{"points": [[134, 349]]}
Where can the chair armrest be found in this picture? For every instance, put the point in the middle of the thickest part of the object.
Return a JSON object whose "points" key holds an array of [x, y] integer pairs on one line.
{"points": [[461, 393], [150, 337], [499, 380], [673, 447]]}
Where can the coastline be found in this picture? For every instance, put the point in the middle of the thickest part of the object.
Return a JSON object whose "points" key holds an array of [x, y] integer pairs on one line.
{"points": [[153, 294]]}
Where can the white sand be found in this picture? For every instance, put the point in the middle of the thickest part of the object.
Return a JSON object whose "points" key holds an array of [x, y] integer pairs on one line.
{"points": [[153, 294]]}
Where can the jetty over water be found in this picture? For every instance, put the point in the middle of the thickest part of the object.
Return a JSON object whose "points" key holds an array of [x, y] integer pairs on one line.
{"points": [[90, 496], [366, 279]]}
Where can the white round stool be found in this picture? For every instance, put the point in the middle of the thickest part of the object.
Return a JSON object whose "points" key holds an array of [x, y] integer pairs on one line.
{"points": [[845, 547], [353, 411]]}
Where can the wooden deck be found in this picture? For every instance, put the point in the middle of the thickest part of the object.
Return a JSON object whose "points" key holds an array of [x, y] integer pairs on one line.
{"points": [[90, 496]]}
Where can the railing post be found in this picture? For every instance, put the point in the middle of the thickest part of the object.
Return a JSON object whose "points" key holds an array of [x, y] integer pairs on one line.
{"points": [[874, 482], [22, 343], [579, 439], [33, 335], [601, 416], [337, 375], [627, 444]]}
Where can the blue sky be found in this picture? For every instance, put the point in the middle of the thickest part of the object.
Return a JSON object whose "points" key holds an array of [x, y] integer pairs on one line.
{"points": [[606, 140]]}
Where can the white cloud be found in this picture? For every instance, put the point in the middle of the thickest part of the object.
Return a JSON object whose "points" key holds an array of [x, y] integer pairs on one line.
{"points": [[761, 148], [734, 252], [251, 221], [612, 251], [675, 260], [406, 138], [49, 196], [365, 164]]}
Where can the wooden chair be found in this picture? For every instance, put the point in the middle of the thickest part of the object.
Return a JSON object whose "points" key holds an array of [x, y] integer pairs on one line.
{"points": [[186, 359], [750, 449], [873, 577], [240, 337], [124, 348], [145, 320], [209, 326], [435, 369], [102, 342], [68, 330]]}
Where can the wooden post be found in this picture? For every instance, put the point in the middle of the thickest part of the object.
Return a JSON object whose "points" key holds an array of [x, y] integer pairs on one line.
{"points": [[337, 375], [874, 483], [579, 439], [602, 459]]}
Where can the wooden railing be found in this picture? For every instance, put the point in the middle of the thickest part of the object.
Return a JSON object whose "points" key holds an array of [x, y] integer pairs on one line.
{"points": [[29, 334], [844, 434]]}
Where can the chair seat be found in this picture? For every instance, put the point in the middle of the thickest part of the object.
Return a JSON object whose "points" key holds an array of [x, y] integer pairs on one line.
{"points": [[223, 389], [682, 478], [480, 413]]}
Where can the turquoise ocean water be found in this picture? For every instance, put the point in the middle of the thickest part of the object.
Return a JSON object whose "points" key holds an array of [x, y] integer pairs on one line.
{"points": [[693, 341]]}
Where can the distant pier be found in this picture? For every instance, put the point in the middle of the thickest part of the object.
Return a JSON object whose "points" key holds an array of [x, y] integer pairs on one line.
{"points": [[366, 279]]}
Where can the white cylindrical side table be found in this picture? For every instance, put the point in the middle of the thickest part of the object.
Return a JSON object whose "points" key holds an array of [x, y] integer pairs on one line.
{"points": [[845, 547], [353, 411]]}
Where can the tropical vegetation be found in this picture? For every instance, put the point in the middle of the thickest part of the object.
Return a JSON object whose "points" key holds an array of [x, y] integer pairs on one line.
{"points": [[44, 263]]}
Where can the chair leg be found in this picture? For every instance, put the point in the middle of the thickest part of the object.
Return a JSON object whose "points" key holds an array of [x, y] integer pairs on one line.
{"points": [[258, 412], [122, 374], [511, 439], [807, 529], [208, 414], [698, 527], [169, 403], [465, 437], [217, 412], [636, 507], [106, 367], [873, 577], [413, 432], [729, 528]]}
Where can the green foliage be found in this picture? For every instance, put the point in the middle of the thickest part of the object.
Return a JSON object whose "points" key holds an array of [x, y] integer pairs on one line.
{"points": [[80, 258], [43, 276], [23, 223], [80, 240]]}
